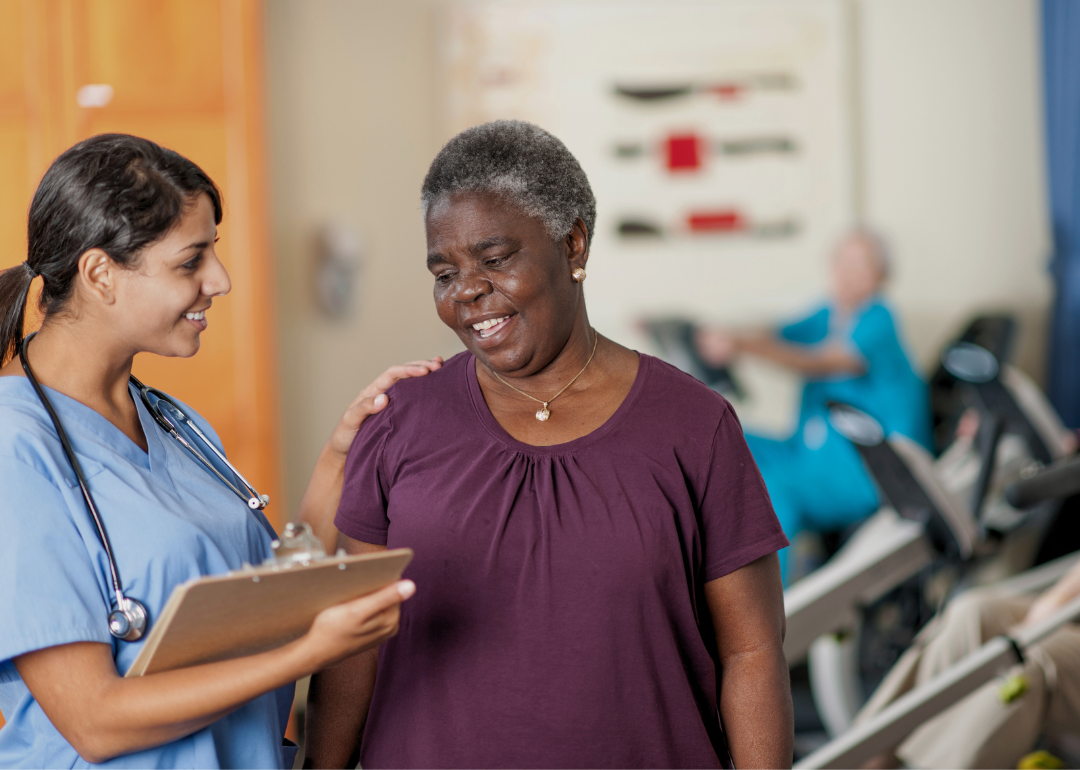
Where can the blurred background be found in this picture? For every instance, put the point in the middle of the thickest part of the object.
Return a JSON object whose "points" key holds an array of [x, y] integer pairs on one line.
{"points": [[796, 119]]}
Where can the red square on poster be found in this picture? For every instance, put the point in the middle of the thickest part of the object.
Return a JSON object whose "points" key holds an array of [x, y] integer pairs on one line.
{"points": [[683, 152]]}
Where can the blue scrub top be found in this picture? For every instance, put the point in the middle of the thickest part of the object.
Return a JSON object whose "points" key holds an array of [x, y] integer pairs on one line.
{"points": [[890, 390], [168, 521]]}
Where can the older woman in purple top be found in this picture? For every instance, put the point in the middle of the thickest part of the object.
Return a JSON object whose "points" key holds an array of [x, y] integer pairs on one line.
{"points": [[595, 549]]}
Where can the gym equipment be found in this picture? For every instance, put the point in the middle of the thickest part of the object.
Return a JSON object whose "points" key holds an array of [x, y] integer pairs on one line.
{"points": [[893, 724], [675, 340], [996, 333], [1058, 481], [946, 522], [945, 518]]}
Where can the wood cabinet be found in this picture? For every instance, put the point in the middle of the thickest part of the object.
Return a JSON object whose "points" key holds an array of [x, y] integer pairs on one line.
{"points": [[187, 74]]}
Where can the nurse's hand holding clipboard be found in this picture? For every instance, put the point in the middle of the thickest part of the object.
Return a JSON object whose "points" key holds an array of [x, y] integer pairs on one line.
{"points": [[104, 715], [103, 508]]}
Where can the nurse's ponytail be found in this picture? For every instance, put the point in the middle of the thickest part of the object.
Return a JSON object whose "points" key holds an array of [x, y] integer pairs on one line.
{"points": [[14, 288], [113, 192]]}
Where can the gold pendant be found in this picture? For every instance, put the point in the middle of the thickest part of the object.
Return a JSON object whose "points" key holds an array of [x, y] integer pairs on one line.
{"points": [[543, 413]]}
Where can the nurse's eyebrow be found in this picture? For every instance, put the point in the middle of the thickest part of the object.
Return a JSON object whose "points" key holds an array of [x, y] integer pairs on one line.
{"points": [[200, 245]]}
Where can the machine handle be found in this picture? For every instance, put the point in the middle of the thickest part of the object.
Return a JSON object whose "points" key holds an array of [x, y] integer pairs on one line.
{"points": [[1055, 482], [991, 430]]}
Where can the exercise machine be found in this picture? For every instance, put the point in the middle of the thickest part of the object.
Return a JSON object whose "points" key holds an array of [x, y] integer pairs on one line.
{"points": [[892, 725], [947, 525]]}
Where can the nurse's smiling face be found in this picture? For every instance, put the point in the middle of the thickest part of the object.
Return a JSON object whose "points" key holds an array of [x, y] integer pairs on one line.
{"points": [[161, 305], [502, 283]]}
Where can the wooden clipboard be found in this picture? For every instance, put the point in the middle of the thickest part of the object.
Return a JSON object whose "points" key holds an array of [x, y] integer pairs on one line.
{"points": [[257, 608]]}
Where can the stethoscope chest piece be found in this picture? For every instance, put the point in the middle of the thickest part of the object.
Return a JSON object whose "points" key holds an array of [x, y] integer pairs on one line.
{"points": [[128, 622]]}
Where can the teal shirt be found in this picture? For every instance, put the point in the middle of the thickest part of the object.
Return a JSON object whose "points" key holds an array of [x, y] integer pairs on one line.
{"points": [[168, 520], [890, 390]]}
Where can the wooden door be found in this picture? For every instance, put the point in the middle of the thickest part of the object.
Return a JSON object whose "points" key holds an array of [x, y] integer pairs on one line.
{"points": [[188, 75], [20, 130]]}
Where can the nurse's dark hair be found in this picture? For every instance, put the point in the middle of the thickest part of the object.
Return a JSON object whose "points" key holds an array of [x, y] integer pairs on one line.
{"points": [[113, 192], [522, 164]]}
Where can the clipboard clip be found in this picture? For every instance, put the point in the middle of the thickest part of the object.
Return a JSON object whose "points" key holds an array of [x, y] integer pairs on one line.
{"points": [[297, 546]]}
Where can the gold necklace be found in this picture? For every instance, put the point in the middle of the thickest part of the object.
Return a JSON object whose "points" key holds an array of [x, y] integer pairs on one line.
{"points": [[543, 413]]}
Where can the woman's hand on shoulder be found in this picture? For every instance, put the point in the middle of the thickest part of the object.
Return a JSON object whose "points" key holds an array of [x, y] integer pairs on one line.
{"points": [[372, 400], [346, 629], [320, 501]]}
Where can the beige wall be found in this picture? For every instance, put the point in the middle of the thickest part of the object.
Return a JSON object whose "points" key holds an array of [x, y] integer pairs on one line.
{"points": [[951, 167], [351, 131], [952, 159]]}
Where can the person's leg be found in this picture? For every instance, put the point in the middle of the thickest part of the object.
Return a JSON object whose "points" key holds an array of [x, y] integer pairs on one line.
{"points": [[967, 622], [981, 730], [1060, 655], [949, 636], [774, 460], [996, 733], [986, 730], [970, 620], [837, 490]]}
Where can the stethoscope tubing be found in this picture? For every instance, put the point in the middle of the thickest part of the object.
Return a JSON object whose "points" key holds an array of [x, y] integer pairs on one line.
{"points": [[99, 525], [254, 500], [131, 616]]}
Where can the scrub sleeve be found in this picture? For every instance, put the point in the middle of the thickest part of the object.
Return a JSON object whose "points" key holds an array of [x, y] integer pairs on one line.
{"points": [[807, 331]]}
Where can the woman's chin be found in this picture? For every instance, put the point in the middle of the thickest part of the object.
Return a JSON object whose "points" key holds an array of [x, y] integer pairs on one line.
{"points": [[504, 360]]}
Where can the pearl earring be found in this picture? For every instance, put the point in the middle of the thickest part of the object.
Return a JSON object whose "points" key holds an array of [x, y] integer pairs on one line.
{"points": [[578, 274]]}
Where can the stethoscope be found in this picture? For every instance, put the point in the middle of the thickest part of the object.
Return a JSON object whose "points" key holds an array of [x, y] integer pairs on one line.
{"points": [[130, 619]]}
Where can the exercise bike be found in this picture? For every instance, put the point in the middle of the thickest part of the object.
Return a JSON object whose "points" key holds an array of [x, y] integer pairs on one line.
{"points": [[893, 724], [947, 525]]}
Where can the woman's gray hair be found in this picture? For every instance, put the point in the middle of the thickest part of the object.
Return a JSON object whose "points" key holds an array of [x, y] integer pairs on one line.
{"points": [[522, 164], [877, 244]]}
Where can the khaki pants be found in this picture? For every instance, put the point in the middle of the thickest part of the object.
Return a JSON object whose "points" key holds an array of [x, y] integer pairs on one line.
{"points": [[981, 730]]}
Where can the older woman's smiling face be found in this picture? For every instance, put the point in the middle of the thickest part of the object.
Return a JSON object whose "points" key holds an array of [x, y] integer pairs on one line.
{"points": [[502, 283]]}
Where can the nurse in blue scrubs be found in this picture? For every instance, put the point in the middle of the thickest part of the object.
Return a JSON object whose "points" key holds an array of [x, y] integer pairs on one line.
{"points": [[122, 233], [848, 350]]}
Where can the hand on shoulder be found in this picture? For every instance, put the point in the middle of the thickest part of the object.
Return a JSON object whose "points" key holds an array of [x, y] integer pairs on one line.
{"points": [[373, 400]]}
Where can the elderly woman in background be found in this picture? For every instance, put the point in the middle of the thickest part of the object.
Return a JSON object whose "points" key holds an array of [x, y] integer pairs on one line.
{"points": [[849, 350], [595, 547]]}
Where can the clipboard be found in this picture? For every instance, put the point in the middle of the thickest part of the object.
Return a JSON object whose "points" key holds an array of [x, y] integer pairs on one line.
{"points": [[255, 609]]}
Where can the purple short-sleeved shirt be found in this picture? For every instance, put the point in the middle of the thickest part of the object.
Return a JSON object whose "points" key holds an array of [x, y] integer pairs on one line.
{"points": [[560, 618]]}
